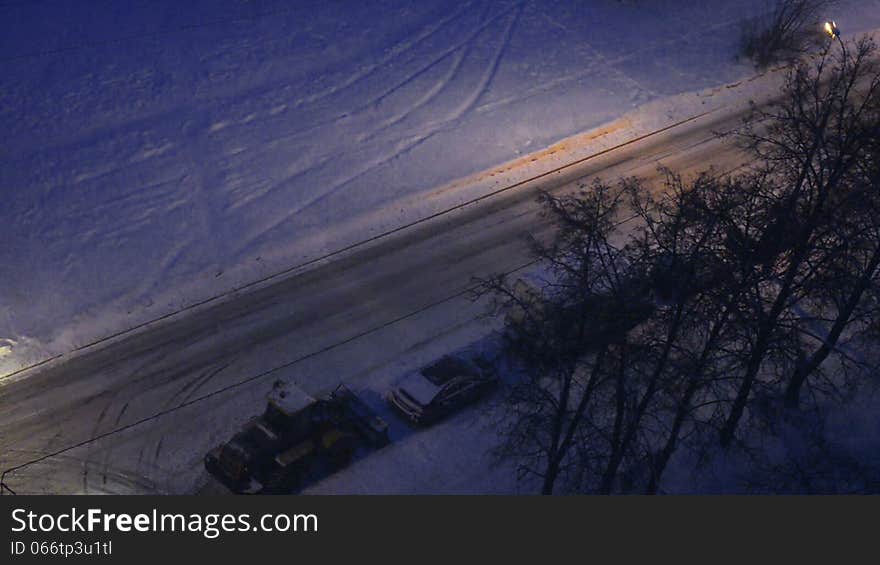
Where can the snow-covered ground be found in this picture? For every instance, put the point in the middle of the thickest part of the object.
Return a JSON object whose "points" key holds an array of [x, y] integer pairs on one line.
{"points": [[156, 153]]}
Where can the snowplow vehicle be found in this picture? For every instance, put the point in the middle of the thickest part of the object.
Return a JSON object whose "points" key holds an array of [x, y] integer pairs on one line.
{"points": [[297, 439]]}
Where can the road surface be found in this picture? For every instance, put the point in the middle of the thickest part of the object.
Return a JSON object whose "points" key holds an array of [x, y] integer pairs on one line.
{"points": [[160, 397]]}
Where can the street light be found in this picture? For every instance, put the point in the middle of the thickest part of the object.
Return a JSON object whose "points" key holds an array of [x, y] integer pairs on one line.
{"points": [[833, 32], [831, 29]]}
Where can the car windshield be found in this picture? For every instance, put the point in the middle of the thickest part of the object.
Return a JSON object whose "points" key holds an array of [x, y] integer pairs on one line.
{"points": [[447, 369], [451, 389]]}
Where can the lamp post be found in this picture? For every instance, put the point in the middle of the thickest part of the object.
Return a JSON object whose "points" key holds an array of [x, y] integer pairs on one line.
{"points": [[832, 30]]}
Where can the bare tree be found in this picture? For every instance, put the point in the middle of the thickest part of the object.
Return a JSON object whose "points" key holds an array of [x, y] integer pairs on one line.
{"points": [[607, 342], [563, 333], [708, 317], [698, 287], [784, 33], [817, 215]]}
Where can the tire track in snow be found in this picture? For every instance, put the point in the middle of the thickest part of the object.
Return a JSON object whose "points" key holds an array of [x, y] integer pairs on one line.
{"points": [[121, 477], [406, 145], [536, 90], [357, 121], [622, 76], [466, 43], [102, 459], [393, 53], [437, 126], [426, 98], [169, 259], [317, 164], [463, 48], [184, 394], [199, 199], [359, 110]]}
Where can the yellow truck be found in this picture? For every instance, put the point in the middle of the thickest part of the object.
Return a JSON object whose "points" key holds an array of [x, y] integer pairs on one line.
{"points": [[296, 439]]}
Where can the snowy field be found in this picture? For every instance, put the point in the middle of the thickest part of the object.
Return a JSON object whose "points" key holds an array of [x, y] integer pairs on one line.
{"points": [[156, 153]]}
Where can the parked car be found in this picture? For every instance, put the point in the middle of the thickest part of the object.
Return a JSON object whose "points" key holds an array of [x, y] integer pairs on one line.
{"points": [[434, 392]]}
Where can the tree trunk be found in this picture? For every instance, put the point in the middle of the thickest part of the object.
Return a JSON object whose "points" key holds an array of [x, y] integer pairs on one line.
{"points": [[619, 451], [804, 370], [685, 405], [672, 441], [550, 476]]}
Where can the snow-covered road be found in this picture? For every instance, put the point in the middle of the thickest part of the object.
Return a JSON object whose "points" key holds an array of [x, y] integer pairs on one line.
{"points": [[362, 318]]}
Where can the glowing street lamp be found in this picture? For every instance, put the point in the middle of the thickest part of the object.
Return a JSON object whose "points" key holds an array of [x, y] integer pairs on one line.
{"points": [[831, 29]]}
